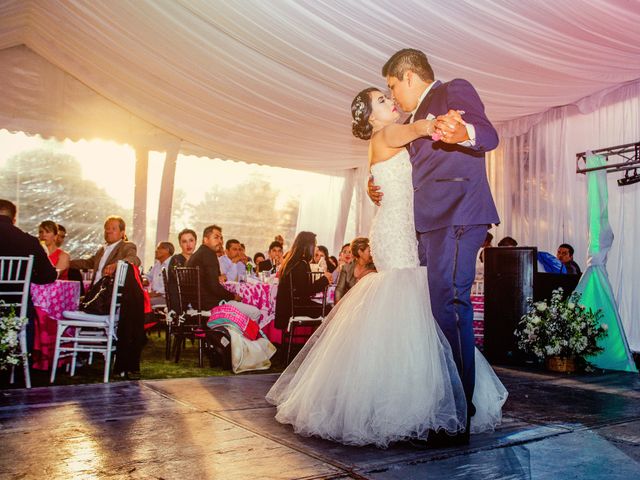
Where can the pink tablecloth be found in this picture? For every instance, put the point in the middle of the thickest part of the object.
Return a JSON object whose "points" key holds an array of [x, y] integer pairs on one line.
{"points": [[260, 295], [50, 301], [478, 319]]}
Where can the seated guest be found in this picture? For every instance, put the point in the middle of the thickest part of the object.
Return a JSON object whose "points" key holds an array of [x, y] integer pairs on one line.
{"points": [[295, 271], [116, 247], [332, 263], [487, 243], [480, 258], [62, 234], [16, 243], [187, 239], [275, 258], [48, 235], [321, 258], [246, 260], [154, 279], [360, 266], [73, 274], [507, 242], [344, 258], [565, 255], [231, 265], [258, 257], [212, 292]]}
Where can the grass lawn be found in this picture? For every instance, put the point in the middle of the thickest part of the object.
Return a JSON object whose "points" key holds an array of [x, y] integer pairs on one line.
{"points": [[153, 366]]}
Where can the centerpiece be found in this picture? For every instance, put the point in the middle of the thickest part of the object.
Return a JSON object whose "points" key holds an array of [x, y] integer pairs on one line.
{"points": [[560, 331]]}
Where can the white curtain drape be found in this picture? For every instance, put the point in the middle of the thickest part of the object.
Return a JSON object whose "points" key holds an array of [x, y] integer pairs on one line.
{"points": [[543, 202], [323, 201], [271, 82]]}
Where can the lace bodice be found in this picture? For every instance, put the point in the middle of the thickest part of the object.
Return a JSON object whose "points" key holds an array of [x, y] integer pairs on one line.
{"points": [[393, 235]]}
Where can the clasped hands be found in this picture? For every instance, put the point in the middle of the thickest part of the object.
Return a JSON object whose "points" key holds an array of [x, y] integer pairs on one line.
{"points": [[448, 128]]}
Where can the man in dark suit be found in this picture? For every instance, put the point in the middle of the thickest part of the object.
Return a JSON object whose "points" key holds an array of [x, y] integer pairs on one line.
{"points": [[15, 242], [104, 261], [205, 257], [452, 200], [274, 260]]}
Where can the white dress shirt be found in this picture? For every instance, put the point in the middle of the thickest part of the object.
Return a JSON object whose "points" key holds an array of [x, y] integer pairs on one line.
{"points": [[234, 271], [155, 275], [108, 248]]}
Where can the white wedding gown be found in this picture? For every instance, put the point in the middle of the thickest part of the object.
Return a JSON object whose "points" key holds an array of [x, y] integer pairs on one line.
{"points": [[379, 369]]}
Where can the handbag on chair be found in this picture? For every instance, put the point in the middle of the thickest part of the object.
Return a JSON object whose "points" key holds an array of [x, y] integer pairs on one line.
{"points": [[97, 301]]}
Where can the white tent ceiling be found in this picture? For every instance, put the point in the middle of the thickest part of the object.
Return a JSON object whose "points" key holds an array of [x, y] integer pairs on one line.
{"points": [[271, 82]]}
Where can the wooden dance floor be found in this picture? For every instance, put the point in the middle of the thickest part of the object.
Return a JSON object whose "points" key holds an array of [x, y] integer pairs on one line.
{"points": [[555, 427]]}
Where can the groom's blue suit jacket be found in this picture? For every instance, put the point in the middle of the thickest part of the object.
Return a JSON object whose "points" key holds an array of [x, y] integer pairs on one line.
{"points": [[450, 181]]}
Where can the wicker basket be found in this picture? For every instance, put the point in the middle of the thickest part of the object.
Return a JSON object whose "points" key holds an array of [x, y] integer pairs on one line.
{"points": [[556, 363]]}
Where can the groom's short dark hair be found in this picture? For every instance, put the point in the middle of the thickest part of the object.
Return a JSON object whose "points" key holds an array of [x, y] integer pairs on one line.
{"points": [[408, 59]]}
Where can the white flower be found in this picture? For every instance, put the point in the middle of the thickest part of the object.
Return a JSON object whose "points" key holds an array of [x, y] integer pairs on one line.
{"points": [[571, 305], [604, 326], [541, 306]]}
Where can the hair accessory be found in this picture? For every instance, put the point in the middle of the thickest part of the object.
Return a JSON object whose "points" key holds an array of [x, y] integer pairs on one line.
{"points": [[358, 110]]}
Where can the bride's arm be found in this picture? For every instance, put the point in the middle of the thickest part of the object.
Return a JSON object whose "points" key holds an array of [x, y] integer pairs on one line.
{"points": [[397, 136]]}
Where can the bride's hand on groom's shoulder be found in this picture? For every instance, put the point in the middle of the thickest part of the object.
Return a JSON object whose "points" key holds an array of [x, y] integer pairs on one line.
{"points": [[374, 192]]}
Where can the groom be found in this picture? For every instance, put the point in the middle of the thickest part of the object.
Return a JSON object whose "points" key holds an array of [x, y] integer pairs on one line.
{"points": [[453, 205]]}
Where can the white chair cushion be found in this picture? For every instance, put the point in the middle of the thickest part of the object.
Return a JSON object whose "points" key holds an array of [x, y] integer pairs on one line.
{"points": [[78, 315]]}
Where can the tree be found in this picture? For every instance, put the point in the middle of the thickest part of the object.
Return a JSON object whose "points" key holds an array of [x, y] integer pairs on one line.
{"points": [[47, 185], [246, 212]]}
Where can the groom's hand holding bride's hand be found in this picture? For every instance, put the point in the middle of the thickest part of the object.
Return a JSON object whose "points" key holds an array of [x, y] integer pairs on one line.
{"points": [[451, 127], [374, 192]]}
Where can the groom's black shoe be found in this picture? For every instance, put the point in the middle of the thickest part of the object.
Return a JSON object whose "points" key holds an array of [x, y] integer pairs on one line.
{"points": [[443, 439], [418, 443]]}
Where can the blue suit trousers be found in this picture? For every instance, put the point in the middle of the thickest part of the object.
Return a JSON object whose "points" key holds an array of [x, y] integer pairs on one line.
{"points": [[449, 254]]}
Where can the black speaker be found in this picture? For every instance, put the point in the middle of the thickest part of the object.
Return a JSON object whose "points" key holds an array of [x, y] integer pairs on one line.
{"points": [[508, 282], [545, 283]]}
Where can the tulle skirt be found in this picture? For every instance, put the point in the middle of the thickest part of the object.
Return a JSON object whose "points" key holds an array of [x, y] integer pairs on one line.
{"points": [[379, 370]]}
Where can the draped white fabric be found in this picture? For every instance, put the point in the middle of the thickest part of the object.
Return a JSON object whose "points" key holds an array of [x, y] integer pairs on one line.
{"points": [[543, 202]]}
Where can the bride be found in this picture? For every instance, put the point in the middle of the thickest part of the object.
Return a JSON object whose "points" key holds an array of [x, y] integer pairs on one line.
{"points": [[379, 369]]}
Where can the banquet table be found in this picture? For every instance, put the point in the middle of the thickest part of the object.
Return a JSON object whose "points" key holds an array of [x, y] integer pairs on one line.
{"points": [[50, 301], [263, 296], [477, 301]]}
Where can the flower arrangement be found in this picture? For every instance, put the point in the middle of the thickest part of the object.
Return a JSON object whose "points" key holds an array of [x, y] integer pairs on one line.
{"points": [[10, 326], [560, 328]]}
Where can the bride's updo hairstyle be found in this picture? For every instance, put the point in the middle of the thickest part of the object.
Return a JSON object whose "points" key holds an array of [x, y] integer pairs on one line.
{"points": [[361, 111]]}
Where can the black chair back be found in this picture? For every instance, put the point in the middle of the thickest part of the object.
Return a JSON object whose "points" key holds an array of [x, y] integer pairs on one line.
{"points": [[189, 325], [188, 279], [298, 303]]}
